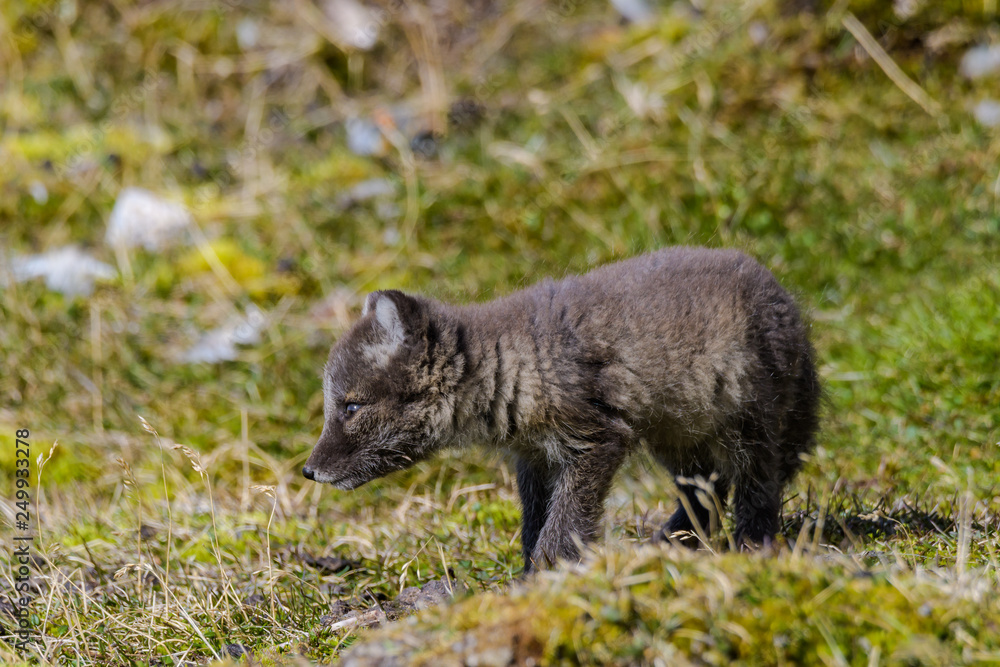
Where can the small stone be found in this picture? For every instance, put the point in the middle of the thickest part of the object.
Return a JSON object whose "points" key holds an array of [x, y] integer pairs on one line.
{"points": [[466, 114], [38, 192], [425, 144], [338, 610], [67, 270], [236, 651], [987, 113], [328, 564], [979, 61], [247, 33], [633, 11], [352, 24], [364, 138], [220, 343], [371, 188], [758, 32], [253, 600], [495, 656], [140, 218]]}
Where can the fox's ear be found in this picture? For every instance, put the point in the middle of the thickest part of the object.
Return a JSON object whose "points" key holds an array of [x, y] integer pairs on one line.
{"points": [[370, 301], [396, 317]]}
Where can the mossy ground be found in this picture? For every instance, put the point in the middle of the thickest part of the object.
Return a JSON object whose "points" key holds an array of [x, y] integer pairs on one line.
{"points": [[760, 125]]}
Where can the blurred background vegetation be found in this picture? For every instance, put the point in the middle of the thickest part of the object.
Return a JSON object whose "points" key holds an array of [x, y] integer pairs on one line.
{"points": [[465, 149]]}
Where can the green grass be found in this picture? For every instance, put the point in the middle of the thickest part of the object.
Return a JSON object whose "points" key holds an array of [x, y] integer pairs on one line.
{"points": [[598, 141]]}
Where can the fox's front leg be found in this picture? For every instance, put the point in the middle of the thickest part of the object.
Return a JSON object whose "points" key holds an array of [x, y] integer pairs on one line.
{"points": [[580, 485]]}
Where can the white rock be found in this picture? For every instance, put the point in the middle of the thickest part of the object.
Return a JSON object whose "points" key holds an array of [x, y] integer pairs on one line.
{"points": [[67, 270], [370, 188], [391, 236], [758, 32], [247, 34], [353, 24], [980, 61], [906, 9], [635, 11], [364, 137], [220, 343], [987, 112], [388, 210], [38, 192], [367, 137], [140, 218]]}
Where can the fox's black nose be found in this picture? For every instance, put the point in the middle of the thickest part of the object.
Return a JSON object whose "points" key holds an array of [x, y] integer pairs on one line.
{"points": [[308, 473]]}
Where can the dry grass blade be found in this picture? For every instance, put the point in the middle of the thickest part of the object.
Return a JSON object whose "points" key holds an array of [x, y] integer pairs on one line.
{"points": [[889, 66]]}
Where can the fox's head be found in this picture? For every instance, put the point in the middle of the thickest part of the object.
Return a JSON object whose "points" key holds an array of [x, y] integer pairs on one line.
{"points": [[386, 392]]}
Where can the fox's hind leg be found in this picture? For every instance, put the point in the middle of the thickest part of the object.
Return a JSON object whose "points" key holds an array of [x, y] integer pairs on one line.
{"points": [[758, 481], [702, 492], [801, 421], [535, 482], [774, 442], [772, 461], [757, 504]]}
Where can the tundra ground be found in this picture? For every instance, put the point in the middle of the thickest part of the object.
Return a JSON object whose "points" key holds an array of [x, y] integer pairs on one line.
{"points": [[836, 142]]}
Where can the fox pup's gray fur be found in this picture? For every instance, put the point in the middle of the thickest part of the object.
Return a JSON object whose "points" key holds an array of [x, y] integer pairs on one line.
{"points": [[698, 354]]}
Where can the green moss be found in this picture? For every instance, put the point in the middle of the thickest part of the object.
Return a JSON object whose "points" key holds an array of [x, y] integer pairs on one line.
{"points": [[713, 610]]}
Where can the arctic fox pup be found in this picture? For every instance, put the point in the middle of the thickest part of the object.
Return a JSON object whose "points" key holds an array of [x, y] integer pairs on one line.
{"points": [[699, 355]]}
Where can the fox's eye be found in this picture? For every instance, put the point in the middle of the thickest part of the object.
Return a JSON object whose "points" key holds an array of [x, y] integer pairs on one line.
{"points": [[351, 408]]}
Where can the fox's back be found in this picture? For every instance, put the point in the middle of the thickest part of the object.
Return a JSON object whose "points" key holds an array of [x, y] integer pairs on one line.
{"points": [[674, 336]]}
